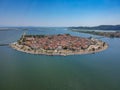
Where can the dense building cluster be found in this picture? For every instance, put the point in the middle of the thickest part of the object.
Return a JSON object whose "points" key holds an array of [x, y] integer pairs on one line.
{"points": [[52, 42]]}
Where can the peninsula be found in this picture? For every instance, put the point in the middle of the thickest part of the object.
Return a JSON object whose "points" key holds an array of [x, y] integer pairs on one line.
{"points": [[61, 44], [104, 33]]}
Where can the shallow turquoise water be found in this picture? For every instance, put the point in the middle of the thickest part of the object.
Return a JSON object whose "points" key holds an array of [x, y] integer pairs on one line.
{"points": [[21, 71]]}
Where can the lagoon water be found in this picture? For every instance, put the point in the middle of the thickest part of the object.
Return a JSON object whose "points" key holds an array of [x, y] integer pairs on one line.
{"points": [[21, 71]]}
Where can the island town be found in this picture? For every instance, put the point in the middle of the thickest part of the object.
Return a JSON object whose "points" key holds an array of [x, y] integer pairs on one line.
{"points": [[61, 44]]}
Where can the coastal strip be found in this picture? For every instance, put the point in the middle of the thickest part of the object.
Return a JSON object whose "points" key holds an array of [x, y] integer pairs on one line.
{"points": [[110, 34], [16, 46]]}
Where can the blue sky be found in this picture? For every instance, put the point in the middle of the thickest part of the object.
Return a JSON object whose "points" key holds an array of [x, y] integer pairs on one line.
{"points": [[59, 12]]}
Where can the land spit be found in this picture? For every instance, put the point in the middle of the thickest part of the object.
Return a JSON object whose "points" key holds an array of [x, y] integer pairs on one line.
{"points": [[61, 44]]}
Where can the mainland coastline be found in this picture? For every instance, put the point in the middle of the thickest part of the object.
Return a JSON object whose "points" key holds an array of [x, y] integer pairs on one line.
{"points": [[61, 44]]}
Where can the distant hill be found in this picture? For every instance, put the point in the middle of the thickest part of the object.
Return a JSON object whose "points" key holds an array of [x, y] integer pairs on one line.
{"points": [[100, 27]]}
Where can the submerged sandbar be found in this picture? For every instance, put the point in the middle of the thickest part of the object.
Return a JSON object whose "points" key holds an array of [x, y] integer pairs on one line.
{"points": [[61, 44]]}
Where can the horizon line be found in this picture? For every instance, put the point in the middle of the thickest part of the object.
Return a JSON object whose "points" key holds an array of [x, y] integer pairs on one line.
{"points": [[58, 26]]}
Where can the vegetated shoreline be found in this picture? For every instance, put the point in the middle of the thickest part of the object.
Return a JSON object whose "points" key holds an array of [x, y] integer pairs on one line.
{"points": [[91, 46], [109, 34]]}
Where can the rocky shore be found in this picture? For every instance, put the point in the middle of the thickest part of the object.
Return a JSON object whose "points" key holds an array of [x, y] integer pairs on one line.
{"points": [[62, 44]]}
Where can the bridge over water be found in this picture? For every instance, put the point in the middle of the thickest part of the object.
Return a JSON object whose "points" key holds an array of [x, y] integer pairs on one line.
{"points": [[8, 36], [4, 44]]}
